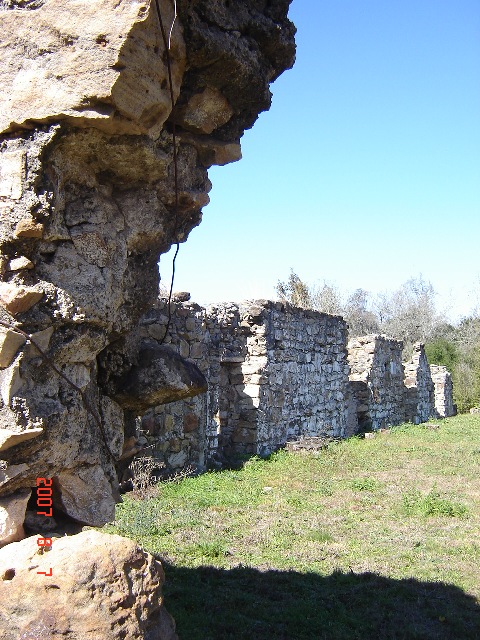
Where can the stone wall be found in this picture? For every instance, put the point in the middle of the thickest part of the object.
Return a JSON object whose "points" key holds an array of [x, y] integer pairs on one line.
{"points": [[442, 380], [377, 381], [275, 373], [420, 396]]}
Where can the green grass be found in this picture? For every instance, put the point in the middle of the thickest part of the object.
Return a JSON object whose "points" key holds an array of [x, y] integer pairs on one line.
{"points": [[365, 539]]}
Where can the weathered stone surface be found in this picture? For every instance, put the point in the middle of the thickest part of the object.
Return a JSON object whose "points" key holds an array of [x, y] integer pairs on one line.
{"points": [[10, 343], [17, 264], [18, 299], [205, 111], [85, 494], [11, 438], [9, 472], [12, 515], [87, 198], [88, 63], [101, 587], [212, 151], [442, 380], [160, 376], [28, 228], [420, 396], [377, 380]]}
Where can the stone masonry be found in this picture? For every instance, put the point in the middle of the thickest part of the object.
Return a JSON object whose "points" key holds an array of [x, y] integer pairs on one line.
{"points": [[420, 397], [275, 373], [377, 380], [442, 379]]}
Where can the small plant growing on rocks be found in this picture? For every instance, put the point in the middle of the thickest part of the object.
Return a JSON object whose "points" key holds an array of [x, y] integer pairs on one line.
{"points": [[142, 479]]}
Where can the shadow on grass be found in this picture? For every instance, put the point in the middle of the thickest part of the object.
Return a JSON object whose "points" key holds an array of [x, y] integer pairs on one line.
{"points": [[244, 603]]}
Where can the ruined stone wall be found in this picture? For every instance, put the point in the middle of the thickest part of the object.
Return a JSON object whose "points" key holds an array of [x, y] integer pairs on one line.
{"points": [[420, 396], [442, 380], [277, 373], [188, 431], [306, 376], [274, 372], [377, 380]]}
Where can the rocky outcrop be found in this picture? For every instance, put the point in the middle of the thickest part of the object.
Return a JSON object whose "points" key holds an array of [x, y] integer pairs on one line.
{"points": [[91, 585], [88, 203]]}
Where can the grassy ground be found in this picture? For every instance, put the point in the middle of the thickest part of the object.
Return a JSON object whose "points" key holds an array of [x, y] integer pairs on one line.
{"points": [[370, 538]]}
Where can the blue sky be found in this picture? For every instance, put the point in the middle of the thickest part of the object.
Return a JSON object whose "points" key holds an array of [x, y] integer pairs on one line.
{"points": [[366, 170]]}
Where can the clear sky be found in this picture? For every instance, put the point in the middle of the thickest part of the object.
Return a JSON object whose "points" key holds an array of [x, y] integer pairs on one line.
{"points": [[366, 170]]}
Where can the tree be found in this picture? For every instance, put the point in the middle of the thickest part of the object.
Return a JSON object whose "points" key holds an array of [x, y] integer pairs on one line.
{"points": [[443, 352], [361, 320], [294, 291], [409, 313], [327, 299]]}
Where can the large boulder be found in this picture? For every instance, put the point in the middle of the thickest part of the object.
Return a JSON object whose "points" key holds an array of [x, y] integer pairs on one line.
{"points": [[93, 585], [159, 376], [88, 204]]}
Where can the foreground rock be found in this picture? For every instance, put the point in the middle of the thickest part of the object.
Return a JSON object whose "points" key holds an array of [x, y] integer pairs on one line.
{"points": [[87, 205], [160, 376], [102, 587]]}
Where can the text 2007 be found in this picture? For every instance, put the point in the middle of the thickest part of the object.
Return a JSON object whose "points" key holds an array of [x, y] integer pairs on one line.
{"points": [[44, 501]]}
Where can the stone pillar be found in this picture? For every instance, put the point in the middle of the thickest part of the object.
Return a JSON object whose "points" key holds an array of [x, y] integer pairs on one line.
{"points": [[420, 396], [442, 379]]}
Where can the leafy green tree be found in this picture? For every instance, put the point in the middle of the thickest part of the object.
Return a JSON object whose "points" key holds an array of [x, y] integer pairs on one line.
{"points": [[442, 351]]}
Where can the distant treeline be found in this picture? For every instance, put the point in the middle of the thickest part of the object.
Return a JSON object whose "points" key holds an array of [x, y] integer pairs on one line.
{"points": [[408, 314]]}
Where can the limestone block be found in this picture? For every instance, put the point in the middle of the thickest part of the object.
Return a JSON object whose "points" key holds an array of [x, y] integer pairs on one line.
{"points": [[9, 472], [85, 494], [156, 331], [10, 383], [216, 152], [178, 460], [184, 349], [190, 423], [190, 324], [18, 298], [254, 365], [160, 376], [197, 350], [98, 586], [10, 343], [42, 339], [28, 228], [10, 438], [96, 63], [12, 174], [12, 515], [17, 264], [205, 111]]}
